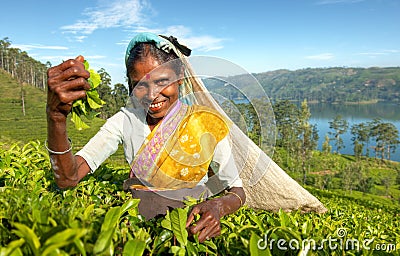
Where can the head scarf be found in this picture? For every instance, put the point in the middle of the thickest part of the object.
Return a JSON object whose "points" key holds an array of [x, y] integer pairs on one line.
{"points": [[266, 185]]}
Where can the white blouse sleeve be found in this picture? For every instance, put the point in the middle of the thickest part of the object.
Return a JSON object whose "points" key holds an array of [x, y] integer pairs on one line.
{"points": [[104, 143], [227, 171]]}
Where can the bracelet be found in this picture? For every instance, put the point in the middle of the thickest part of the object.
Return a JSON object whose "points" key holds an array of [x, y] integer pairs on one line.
{"points": [[233, 193], [58, 152]]}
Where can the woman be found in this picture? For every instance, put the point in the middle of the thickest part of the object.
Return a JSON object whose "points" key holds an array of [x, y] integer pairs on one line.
{"points": [[172, 144]]}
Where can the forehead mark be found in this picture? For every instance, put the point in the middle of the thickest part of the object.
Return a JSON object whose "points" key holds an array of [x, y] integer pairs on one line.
{"points": [[147, 76]]}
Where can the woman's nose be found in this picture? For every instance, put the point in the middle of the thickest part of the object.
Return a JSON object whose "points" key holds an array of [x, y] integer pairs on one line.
{"points": [[152, 92]]}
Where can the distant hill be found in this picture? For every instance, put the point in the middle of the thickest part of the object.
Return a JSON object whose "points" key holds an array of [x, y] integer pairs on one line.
{"points": [[331, 85]]}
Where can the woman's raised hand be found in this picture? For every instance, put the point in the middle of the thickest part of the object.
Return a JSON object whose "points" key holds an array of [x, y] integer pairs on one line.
{"points": [[66, 83]]}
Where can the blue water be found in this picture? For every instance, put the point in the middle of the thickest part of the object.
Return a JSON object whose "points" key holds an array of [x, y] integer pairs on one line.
{"points": [[322, 114]]}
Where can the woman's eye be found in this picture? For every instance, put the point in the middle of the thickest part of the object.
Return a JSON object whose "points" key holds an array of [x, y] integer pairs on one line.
{"points": [[162, 82], [140, 86]]}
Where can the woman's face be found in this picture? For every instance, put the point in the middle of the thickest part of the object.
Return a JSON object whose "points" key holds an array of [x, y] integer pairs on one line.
{"points": [[155, 87]]}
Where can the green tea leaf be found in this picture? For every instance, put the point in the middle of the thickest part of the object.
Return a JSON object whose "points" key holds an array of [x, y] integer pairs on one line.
{"points": [[79, 124], [93, 95], [131, 203], [111, 219], [88, 211], [30, 237], [94, 79], [166, 222], [13, 248], [62, 239], [104, 241], [164, 236], [81, 246], [258, 245], [178, 224], [86, 107], [134, 247]]}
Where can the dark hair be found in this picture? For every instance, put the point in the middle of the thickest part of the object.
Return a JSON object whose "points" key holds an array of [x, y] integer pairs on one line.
{"points": [[144, 50]]}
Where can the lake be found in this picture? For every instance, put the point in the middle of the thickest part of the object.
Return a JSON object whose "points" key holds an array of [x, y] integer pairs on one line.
{"points": [[322, 114]]}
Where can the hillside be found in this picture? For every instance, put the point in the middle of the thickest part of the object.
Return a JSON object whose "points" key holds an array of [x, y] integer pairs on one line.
{"points": [[333, 84], [17, 126], [329, 85]]}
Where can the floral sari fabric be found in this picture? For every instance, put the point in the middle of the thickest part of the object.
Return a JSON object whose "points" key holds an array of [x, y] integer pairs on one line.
{"points": [[178, 152]]}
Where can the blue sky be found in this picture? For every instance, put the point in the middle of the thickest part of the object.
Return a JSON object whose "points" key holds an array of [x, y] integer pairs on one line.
{"points": [[256, 35]]}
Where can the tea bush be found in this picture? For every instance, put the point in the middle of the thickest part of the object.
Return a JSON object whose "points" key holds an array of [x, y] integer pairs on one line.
{"points": [[98, 218]]}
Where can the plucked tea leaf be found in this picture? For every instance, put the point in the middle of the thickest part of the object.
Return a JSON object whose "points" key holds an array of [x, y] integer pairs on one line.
{"points": [[79, 124], [86, 107]]}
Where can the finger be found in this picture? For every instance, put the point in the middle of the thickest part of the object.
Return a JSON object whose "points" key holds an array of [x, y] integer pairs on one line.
{"points": [[53, 71], [190, 218], [210, 231], [201, 223], [71, 96], [80, 58], [65, 86], [71, 73], [76, 84]]}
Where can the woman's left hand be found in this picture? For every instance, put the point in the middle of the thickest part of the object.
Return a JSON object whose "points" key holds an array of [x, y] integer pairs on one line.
{"points": [[208, 225], [211, 211]]}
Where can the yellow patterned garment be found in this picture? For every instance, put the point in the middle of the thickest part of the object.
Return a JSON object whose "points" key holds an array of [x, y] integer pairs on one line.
{"points": [[179, 150]]}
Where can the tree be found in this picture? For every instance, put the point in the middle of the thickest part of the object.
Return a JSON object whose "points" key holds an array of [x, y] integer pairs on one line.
{"points": [[386, 138], [351, 176], [21, 66], [264, 124], [287, 118], [326, 147], [339, 127], [307, 139], [120, 94], [360, 138], [105, 93]]}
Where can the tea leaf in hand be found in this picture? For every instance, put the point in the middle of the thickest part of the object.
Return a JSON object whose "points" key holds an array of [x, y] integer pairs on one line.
{"points": [[86, 107]]}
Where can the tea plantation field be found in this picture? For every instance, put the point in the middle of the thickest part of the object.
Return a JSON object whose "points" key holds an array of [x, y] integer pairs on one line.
{"points": [[98, 218]]}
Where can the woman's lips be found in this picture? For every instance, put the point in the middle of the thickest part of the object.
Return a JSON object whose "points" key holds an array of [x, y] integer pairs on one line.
{"points": [[154, 107]]}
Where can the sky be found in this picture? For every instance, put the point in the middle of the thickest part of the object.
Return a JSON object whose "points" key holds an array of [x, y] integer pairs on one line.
{"points": [[258, 36]]}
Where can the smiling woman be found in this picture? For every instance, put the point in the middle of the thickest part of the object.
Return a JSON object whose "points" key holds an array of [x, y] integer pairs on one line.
{"points": [[176, 138], [156, 88]]}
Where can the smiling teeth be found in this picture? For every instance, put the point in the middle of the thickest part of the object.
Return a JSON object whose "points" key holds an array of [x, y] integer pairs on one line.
{"points": [[156, 105]]}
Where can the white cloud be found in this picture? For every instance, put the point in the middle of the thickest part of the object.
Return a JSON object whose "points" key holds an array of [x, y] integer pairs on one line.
{"points": [[131, 14], [27, 47], [371, 53], [203, 43], [392, 51], [121, 13], [322, 56], [379, 53]]}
